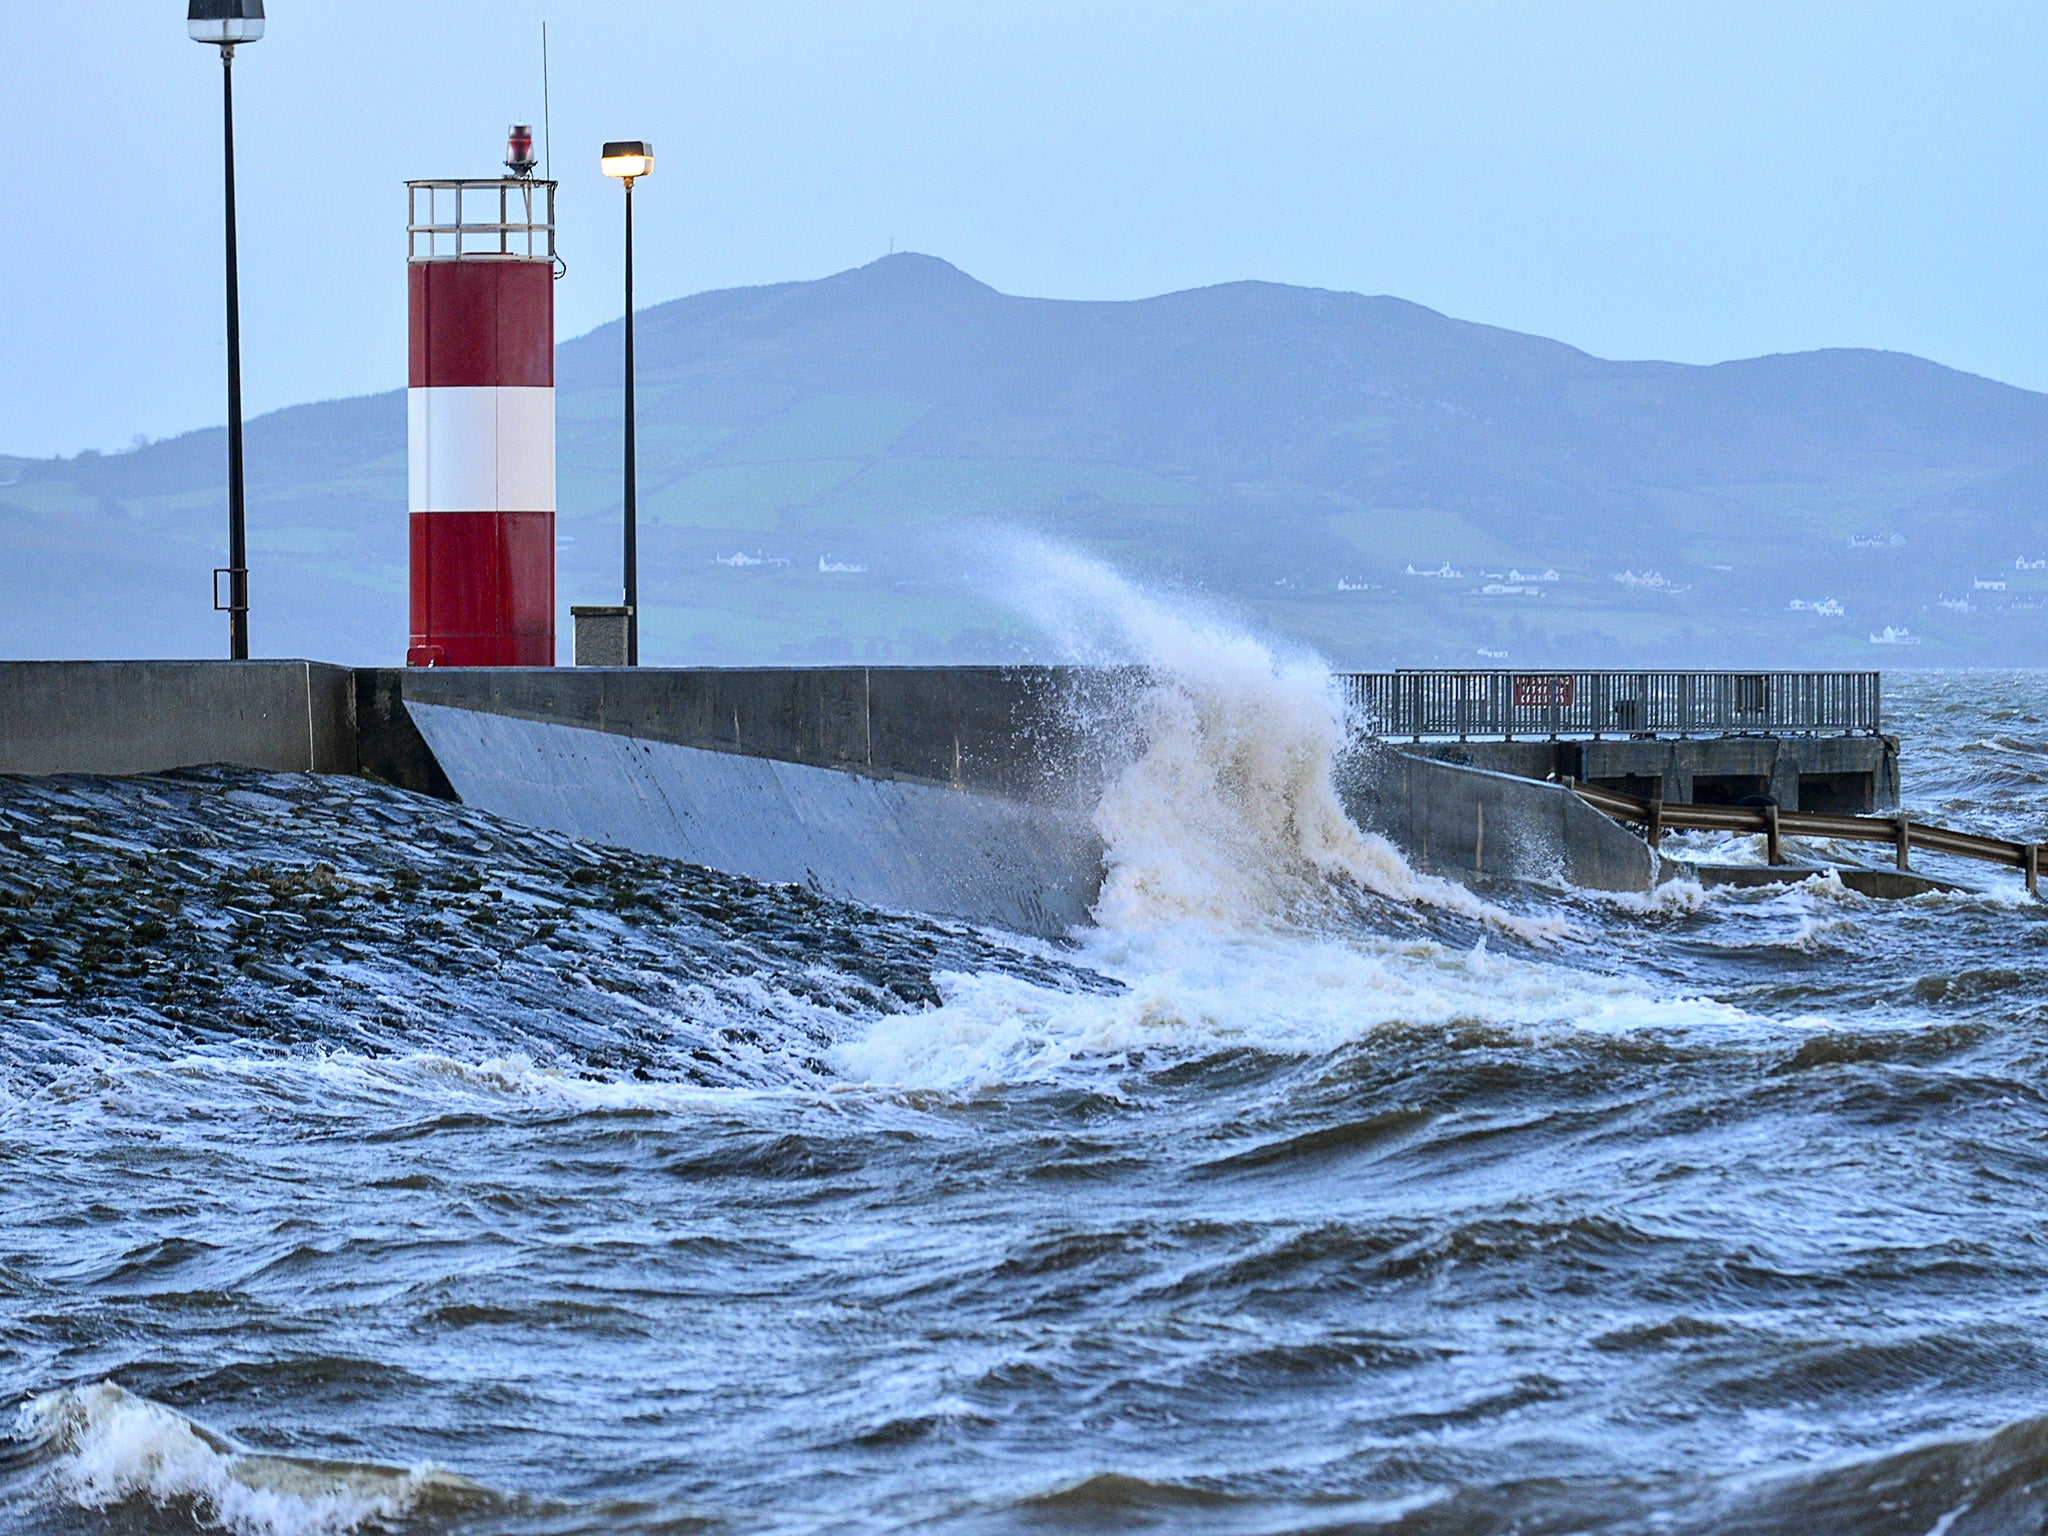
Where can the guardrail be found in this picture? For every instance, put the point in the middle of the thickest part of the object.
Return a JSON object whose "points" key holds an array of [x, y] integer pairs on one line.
{"points": [[1903, 833], [1510, 704]]}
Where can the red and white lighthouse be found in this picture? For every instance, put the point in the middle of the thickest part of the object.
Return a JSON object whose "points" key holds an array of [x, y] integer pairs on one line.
{"points": [[481, 419]]}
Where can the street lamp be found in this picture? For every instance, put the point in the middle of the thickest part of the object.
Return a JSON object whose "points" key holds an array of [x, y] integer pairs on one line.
{"points": [[628, 160], [224, 23]]}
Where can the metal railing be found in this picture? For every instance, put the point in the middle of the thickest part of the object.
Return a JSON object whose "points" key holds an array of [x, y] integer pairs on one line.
{"points": [[1904, 834], [480, 219], [1510, 704]]}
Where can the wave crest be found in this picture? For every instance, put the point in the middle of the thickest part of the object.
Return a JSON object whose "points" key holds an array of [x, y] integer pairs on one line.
{"points": [[109, 1446]]}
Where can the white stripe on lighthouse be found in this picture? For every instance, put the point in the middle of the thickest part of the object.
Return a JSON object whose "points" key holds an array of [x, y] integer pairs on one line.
{"points": [[481, 449]]}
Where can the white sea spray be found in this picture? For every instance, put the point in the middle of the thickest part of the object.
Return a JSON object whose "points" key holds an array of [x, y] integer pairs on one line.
{"points": [[1229, 816]]}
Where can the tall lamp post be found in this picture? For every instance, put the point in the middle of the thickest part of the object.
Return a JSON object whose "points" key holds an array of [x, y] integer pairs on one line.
{"points": [[224, 23], [628, 160]]}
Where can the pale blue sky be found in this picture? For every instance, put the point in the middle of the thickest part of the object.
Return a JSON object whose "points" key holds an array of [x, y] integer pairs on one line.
{"points": [[1683, 181]]}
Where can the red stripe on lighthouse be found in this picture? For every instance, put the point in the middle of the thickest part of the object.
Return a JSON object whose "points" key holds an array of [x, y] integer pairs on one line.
{"points": [[485, 582], [482, 321]]}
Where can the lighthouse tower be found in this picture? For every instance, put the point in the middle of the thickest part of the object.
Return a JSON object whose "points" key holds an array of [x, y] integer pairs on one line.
{"points": [[481, 418]]}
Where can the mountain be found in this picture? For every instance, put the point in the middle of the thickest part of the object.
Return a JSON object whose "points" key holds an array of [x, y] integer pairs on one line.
{"points": [[1293, 452]]}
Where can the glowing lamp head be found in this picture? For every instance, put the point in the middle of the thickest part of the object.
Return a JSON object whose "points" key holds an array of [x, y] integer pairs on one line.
{"points": [[224, 22], [627, 159], [519, 150]]}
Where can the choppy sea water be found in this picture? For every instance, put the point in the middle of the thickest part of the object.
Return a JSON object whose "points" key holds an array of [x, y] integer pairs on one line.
{"points": [[370, 1164]]}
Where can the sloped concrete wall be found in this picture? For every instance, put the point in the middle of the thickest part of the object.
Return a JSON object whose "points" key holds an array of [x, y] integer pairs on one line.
{"points": [[1469, 822], [951, 852]]}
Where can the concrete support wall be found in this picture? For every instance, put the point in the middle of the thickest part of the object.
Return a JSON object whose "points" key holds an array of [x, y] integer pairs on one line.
{"points": [[118, 717], [1045, 734], [1469, 822]]}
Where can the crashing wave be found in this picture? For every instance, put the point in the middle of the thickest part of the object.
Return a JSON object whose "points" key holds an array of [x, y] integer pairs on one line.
{"points": [[1229, 816]]}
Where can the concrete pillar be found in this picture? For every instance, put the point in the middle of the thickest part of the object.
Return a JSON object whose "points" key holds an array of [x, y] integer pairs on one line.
{"points": [[1785, 775], [1884, 781], [1678, 776], [600, 635]]}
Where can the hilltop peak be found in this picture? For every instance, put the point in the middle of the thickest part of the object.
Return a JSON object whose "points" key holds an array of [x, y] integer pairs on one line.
{"points": [[912, 272]]}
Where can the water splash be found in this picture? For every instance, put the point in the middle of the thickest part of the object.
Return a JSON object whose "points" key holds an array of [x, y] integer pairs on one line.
{"points": [[1237, 904], [1229, 817]]}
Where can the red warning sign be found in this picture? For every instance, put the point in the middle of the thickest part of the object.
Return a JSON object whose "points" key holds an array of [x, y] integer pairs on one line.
{"points": [[1555, 692]]}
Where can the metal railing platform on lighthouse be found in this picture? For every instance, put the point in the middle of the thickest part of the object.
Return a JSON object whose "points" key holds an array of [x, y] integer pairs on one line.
{"points": [[503, 216]]}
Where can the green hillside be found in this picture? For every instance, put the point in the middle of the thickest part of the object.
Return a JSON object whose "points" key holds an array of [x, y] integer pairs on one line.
{"points": [[825, 465]]}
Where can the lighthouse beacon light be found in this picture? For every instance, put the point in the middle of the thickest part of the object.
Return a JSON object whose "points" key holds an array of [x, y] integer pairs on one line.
{"points": [[481, 416], [519, 150]]}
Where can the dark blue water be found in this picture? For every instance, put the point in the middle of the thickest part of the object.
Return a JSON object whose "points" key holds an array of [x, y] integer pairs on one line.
{"points": [[368, 1164]]}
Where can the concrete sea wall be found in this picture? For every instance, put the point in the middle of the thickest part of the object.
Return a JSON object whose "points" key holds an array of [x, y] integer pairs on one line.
{"points": [[1045, 734], [962, 792], [145, 717]]}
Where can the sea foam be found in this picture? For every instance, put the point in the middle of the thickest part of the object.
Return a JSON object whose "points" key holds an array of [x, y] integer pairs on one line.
{"points": [[1190, 994]]}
